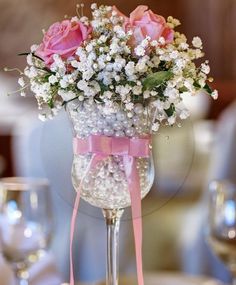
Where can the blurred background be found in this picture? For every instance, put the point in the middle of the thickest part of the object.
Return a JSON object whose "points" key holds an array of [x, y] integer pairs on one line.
{"points": [[186, 158], [21, 24]]}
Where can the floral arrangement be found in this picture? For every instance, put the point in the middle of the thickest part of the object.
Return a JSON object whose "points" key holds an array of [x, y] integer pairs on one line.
{"points": [[120, 78], [115, 61]]}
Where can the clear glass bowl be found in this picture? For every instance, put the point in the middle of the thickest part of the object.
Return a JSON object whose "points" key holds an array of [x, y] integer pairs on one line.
{"points": [[106, 185]]}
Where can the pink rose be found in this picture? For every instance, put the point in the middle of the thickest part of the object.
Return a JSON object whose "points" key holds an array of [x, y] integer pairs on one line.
{"points": [[143, 23], [62, 38]]}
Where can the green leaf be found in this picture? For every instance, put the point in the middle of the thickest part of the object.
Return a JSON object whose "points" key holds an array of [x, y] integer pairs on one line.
{"points": [[171, 110], [156, 79], [197, 85], [51, 103], [183, 89], [103, 87], [98, 99], [208, 89]]}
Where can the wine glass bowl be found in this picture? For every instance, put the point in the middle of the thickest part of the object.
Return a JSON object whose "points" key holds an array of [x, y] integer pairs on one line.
{"points": [[221, 232], [106, 185], [25, 221]]}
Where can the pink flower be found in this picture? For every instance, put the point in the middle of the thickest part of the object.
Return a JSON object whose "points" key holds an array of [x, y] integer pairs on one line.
{"points": [[143, 22], [62, 38]]}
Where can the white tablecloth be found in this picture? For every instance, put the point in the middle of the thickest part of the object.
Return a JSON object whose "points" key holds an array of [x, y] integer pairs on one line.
{"points": [[161, 278]]}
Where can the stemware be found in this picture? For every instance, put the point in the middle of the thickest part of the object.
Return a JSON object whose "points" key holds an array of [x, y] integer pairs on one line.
{"points": [[25, 221], [222, 223], [106, 186]]}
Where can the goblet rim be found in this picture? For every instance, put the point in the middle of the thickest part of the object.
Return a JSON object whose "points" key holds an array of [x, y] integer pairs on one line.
{"points": [[17, 183]]}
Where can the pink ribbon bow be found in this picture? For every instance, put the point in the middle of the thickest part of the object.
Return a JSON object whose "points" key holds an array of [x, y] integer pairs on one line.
{"points": [[129, 148]]}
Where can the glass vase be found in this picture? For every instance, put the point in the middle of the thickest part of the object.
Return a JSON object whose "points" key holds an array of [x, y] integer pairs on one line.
{"points": [[105, 185]]}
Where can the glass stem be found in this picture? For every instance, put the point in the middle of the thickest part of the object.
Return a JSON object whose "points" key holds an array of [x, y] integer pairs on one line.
{"points": [[112, 218], [22, 277], [23, 282], [232, 270]]}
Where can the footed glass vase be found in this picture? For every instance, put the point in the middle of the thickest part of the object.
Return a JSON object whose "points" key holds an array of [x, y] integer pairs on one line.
{"points": [[102, 142]]}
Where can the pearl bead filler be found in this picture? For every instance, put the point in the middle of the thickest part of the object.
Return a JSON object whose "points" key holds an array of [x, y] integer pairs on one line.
{"points": [[106, 185]]}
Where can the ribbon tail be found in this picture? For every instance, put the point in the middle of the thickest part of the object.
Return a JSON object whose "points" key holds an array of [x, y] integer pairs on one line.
{"points": [[136, 207], [72, 231], [94, 160]]}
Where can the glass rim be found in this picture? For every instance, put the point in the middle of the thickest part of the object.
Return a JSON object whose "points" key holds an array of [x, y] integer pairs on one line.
{"points": [[17, 183]]}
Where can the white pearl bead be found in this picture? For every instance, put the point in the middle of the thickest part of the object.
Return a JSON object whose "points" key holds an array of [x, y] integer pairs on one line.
{"points": [[117, 126], [89, 118], [90, 122], [121, 165], [110, 118], [118, 175], [112, 168], [101, 124], [136, 120], [119, 134], [127, 123], [94, 131], [86, 132], [108, 132], [130, 132], [121, 116]]}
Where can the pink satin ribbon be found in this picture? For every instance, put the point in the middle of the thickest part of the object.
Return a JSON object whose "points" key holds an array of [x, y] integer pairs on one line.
{"points": [[130, 148]]}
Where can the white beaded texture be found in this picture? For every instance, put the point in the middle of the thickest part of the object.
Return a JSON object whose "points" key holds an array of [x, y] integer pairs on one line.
{"points": [[105, 185]]}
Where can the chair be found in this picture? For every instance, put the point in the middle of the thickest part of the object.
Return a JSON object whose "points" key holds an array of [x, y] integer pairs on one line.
{"points": [[197, 258], [45, 150]]}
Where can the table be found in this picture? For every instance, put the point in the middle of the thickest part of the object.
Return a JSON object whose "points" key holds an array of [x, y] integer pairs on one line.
{"points": [[163, 278]]}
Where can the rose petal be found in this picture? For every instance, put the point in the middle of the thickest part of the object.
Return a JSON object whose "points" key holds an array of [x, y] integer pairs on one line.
{"points": [[65, 29], [85, 31], [137, 14], [156, 18], [154, 30], [63, 39], [168, 35], [139, 34], [144, 22]]}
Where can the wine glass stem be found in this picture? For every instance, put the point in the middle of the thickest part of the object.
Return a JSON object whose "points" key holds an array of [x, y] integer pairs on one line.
{"points": [[112, 218], [22, 277], [23, 282]]}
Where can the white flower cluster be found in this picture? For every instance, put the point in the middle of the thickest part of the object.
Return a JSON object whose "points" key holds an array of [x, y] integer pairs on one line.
{"points": [[111, 72]]}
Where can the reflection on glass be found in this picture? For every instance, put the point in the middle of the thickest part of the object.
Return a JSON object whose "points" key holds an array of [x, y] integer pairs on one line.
{"points": [[25, 222], [222, 223]]}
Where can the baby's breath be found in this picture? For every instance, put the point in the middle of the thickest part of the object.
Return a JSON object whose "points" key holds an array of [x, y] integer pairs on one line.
{"points": [[109, 70]]}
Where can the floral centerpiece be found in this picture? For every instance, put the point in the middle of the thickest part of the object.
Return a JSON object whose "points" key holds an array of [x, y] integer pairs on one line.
{"points": [[114, 60], [120, 78]]}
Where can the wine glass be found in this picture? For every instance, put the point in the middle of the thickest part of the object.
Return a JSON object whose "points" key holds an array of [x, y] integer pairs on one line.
{"points": [[106, 186], [25, 222], [221, 232]]}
